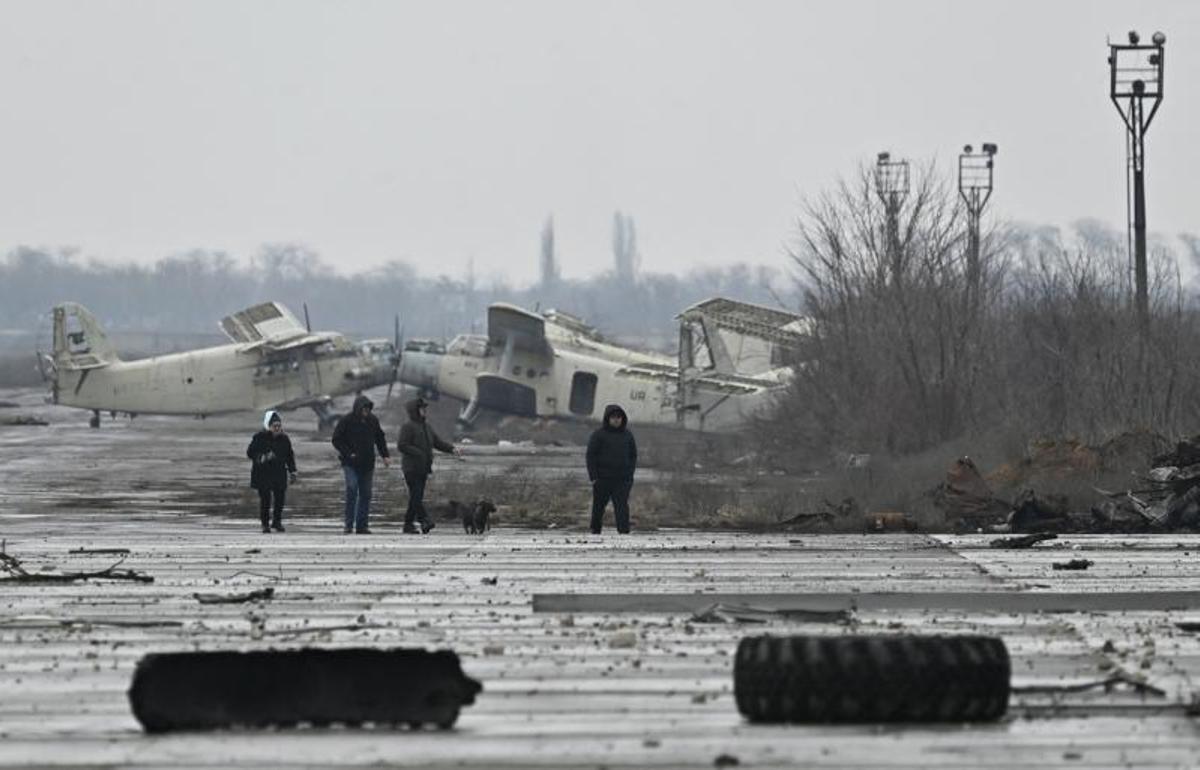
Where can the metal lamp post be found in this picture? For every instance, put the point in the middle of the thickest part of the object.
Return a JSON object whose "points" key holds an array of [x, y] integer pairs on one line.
{"points": [[975, 187], [1135, 77]]}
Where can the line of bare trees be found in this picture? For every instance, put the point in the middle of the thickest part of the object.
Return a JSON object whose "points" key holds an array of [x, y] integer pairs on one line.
{"points": [[906, 356]]}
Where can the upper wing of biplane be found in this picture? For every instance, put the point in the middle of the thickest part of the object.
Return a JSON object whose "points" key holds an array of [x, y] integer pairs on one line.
{"points": [[270, 326], [738, 338]]}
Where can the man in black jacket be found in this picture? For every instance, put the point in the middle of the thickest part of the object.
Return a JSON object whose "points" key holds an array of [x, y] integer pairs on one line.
{"points": [[356, 438], [416, 444], [611, 462], [274, 464]]}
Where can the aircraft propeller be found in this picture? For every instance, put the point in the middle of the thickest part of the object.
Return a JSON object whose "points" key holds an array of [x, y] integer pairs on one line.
{"points": [[397, 351]]}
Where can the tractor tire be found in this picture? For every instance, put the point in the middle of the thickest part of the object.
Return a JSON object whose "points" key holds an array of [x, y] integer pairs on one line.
{"points": [[283, 688], [871, 678]]}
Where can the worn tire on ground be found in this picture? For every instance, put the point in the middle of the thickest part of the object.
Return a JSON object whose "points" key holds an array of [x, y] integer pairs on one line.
{"points": [[283, 688], [898, 678]]}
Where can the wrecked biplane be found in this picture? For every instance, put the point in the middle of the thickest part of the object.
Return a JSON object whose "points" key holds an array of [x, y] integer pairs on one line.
{"points": [[733, 359], [272, 362]]}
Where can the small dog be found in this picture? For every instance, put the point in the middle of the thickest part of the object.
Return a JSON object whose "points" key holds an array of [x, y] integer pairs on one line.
{"points": [[475, 517]]}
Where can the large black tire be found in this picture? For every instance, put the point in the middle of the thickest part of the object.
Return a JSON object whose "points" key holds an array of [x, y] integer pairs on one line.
{"points": [[209, 690], [871, 678]]}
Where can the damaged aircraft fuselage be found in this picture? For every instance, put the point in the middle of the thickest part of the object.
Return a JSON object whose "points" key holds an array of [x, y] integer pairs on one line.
{"points": [[733, 361], [272, 363]]}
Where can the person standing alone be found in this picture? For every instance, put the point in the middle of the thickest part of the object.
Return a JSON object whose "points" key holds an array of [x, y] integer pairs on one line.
{"points": [[274, 464], [416, 444], [611, 462], [356, 438]]}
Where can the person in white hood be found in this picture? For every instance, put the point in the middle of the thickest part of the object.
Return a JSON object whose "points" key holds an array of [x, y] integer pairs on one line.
{"points": [[274, 465]]}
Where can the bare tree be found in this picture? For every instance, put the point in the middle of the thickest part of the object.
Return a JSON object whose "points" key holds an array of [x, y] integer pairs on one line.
{"points": [[903, 358]]}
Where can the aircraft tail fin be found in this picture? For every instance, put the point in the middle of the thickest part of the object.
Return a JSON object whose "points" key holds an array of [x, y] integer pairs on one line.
{"points": [[79, 340]]}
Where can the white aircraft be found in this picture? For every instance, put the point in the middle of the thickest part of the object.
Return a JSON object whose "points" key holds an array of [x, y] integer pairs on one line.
{"points": [[734, 359], [272, 362]]}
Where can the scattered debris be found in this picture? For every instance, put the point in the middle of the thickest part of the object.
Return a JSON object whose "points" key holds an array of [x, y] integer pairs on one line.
{"points": [[321, 629], [847, 509], [626, 638], [1022, 541], [1138, 684], [261, 595], [493, 649], [22, 419], [18, 574], [112, 551], [1190, 626], [744, 613], [489, 581], [726, 760], [889, 521], [964, 497], [1073, 564], [41, 621], [1039, 513]]}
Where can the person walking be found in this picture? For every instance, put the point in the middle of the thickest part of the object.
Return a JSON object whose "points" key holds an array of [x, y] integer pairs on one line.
{"points": [[356, 438], [273, 466], [611, 462], [416, 444]]}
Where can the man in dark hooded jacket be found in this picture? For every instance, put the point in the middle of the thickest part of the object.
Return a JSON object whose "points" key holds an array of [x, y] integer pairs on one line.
{"points": [[611, 462], [356, 438], [416, 444]]}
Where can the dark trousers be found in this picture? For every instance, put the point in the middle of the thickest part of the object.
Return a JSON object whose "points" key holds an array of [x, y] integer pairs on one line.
{"points": [[358, 497], [416, 499], [616, 490], [265, 507]]}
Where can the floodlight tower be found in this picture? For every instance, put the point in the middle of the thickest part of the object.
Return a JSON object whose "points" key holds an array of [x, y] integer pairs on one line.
{"points": [[1135, 76], [975, 187], [891, 185]]}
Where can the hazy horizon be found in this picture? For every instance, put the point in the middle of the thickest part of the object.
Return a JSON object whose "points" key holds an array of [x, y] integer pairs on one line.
{"points": [[438, 134]]}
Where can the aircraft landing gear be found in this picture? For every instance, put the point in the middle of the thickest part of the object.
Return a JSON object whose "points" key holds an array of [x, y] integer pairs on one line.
{"points": [[94, 422], [326, 417], [466, 418]]}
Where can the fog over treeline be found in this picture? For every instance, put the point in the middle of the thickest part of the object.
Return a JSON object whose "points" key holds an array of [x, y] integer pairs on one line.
{"points": [[187, 293]]}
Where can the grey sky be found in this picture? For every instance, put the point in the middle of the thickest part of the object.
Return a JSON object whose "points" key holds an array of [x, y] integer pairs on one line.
{"points": [[440, 131]]}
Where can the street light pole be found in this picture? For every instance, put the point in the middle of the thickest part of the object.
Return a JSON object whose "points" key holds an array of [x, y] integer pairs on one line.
{"points": [[1136, 75], [975, 188], [891, 185]]}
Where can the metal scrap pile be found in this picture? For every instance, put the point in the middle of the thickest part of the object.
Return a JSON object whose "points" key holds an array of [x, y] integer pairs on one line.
{"points": [[1167, 499], [1170, 495]]}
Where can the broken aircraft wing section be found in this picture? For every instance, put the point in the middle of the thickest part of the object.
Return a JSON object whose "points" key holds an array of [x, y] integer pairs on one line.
{"points": [[265, 321], [777, 326], [272, 326], [729, 337]]}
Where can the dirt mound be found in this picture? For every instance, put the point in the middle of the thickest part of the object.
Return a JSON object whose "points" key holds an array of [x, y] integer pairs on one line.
{"points": [[1058, 460]]}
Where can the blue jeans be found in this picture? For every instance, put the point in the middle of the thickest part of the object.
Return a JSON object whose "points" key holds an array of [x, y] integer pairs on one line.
{"points": [[358, 497]]}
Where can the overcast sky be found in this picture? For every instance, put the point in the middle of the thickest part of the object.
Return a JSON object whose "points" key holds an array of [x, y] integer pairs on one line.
{"points": [[438, 132]]}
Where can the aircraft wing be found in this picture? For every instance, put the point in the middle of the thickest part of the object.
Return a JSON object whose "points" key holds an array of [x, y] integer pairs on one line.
{"points": [[268, 323], [776, 326], [527, 330]]}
